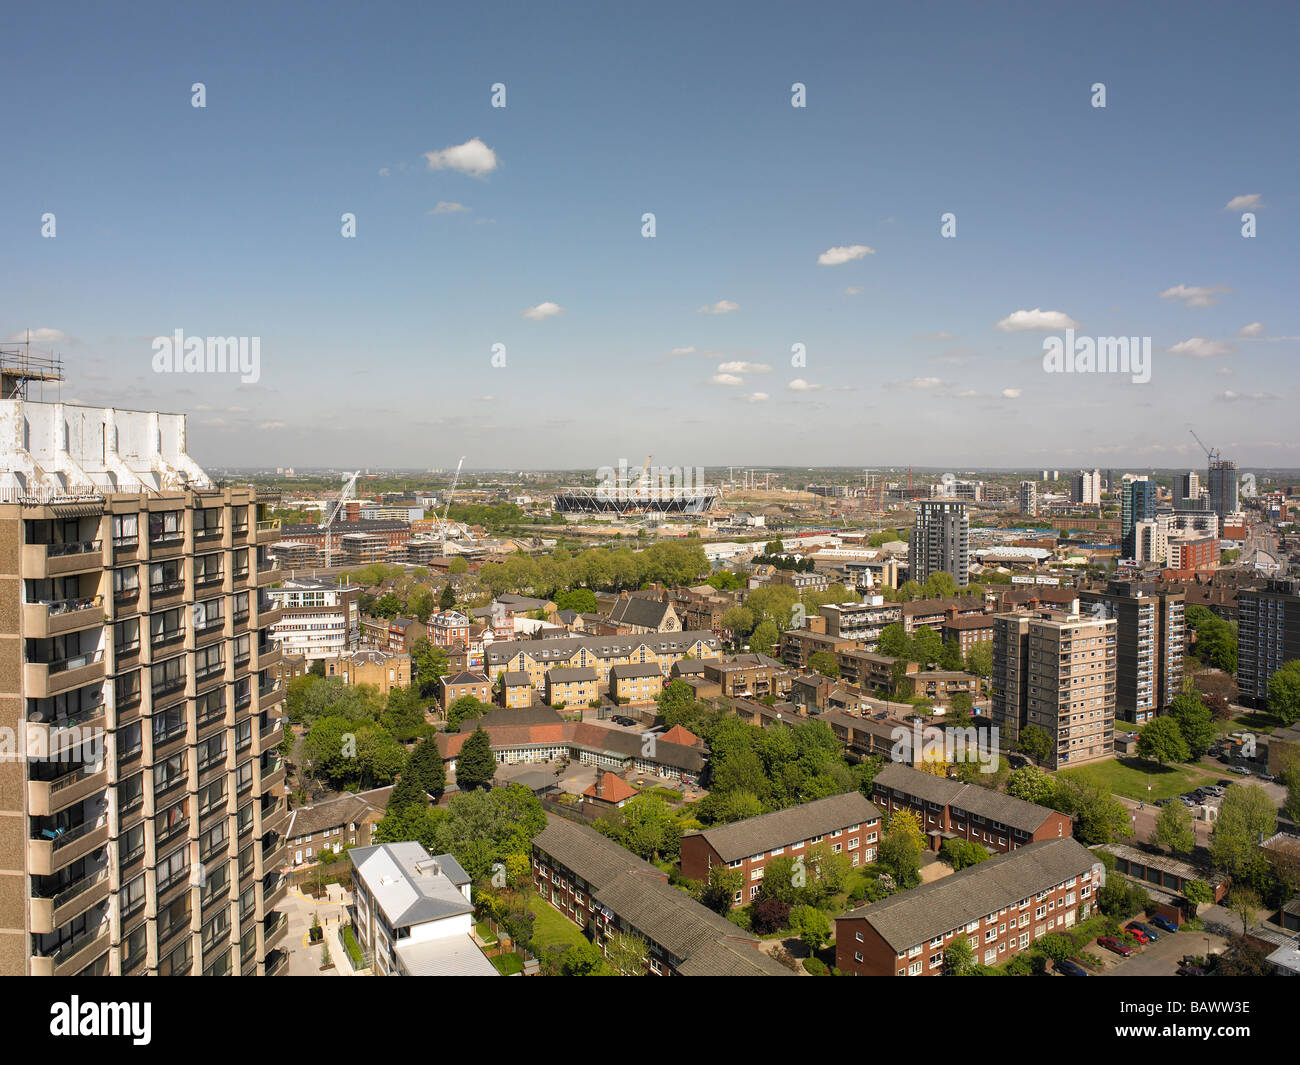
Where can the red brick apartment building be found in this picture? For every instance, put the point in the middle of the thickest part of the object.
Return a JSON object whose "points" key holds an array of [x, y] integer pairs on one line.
{"points": [[1002, 906], [949, 809], [604, 888], [844, 824]]}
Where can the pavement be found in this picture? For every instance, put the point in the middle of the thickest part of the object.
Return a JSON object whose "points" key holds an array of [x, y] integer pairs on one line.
{"points": [[1162, 957], [305, 957]]}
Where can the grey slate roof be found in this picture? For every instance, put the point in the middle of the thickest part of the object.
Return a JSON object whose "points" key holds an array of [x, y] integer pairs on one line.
{"points": [[523, 715], [600, 646], [640, 611], [939, 907], [636, 669], [754, 835], [408, 895], [704, 943], [993, 805], [516, 678], [565, 676]]}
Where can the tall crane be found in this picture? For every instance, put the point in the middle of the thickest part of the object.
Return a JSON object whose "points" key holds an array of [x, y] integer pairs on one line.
{"points": [[349, 487], [1212, 456], [442, 529]]}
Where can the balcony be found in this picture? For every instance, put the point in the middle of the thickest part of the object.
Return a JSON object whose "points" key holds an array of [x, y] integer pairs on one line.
{"points": [[44, 680], [57, 735], [268, 573], [166, 545], [269, 615], [277, 963], [48, 797], [56, 911], [73, 956], [276, 928], [275, 892], [58, 560], [268, 531], [269, 698], [45, 857], [272, 775], [270, 655], [275, 819], [163, 593], [55, 617], [125, 547]]}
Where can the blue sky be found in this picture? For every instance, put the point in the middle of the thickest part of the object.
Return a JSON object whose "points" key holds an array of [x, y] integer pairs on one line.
{"points": [[376, 350]]}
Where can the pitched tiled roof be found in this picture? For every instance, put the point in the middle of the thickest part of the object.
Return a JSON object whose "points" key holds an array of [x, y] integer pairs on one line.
{"points": [[336, 813], [464, 678], [704, 943], [615, 789], [682, 735], [936, 908], [566, 676], [986, 802], [637, 610], [600, 646], [636, 669], [794, 824], [580, 735]]}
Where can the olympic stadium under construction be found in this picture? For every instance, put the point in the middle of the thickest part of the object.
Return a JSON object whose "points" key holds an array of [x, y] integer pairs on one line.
{"points": [[658, 490]]}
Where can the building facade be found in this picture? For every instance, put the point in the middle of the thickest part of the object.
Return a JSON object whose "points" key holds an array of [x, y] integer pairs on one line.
{"points": [[940, 542]]}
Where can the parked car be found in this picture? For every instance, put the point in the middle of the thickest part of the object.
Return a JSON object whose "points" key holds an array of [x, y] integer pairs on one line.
{"points": [[1135, 930], [1241, 770], [1163, 923], [1267, 776], [1069, 968], [1115, 946], [1162, 802], [1150, 932], [1190, 970], [625, 721]]}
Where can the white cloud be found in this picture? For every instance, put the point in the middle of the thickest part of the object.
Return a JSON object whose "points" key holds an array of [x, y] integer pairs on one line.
{"points": [[852, 290], [756, 397], [383, 171], [744, 367], [1195, 295], [473, 158], [682, 351], [1024, 321], [943, 334], [800, 385], [446, 207], [729, 379], [1224, 371], [1011, 393], [1200, 348], [486, 399], [967, 393], [41, 336], [212, 421], [1253, 330], [845, 253], [920, 382], [543, 311], [271, 425], [721, 307], [1243, 203]]}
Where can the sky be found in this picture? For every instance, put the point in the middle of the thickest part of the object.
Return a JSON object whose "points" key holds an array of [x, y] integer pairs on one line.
{"points": [[774, 226]]}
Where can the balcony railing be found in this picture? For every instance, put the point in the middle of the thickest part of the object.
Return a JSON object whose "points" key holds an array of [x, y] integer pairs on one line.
{"points": [[74, 547], [62, 665], [58, 607]]}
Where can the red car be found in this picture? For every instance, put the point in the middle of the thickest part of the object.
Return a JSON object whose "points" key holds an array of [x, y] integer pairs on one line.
{"points": [[1113, 944], [1137, 933]]}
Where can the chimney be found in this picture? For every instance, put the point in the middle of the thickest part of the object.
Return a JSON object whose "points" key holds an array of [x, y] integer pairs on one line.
{"points": [[600, 785]]}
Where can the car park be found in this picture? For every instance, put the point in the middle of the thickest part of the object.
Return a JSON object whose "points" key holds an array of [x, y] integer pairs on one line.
{"points": [[1069, 968], [1115, 946], [1150, 932], [1136, 932], [1163, 923]]}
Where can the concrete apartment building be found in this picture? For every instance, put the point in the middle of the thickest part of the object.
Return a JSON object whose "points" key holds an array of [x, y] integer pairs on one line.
{"points": [[413, 912], [1085, 488], [1028, 498], [949, 809], [606, 889], [749, 675], [143, 829], [844, 824], [318, 617], [861, 621], [1056, 670], [799, 645], [1268, 635], [1002, 906], [1149, 646], [940, 541]]}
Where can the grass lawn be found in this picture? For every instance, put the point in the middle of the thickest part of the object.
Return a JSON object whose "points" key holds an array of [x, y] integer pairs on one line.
{"points": [[508, 964], [485, 933], [1129, 777], [354, 948], [552, 928]]}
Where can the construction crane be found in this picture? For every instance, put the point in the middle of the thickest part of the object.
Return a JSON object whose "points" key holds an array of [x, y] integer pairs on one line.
{"points": [[1212, 456], [349, 486], [442, 528]]}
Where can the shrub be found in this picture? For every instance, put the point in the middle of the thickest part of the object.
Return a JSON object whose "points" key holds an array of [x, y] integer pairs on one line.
{"points": [[816, 967], [769, 915]]}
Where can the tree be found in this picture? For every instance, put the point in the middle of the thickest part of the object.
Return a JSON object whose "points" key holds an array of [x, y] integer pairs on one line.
{"points": [[427, 767], [960, 711], [420, 602], [738, 620], [894, 642], [1175, 830], [1161, 741], [784, 879], [813, 926], [939, 585], [1035, 742], [1246, 818], [950, 656], [1031, 784], [447, 598], [979, 659], [959, 958], [428, 663], [721, 890], [1244, 902], [961, 853], [457, 566], [627, 954], [770, 915], [764, 637], [1099, 817], [1197, 892], [464, 709], [477, 765], [900, 850], [1194, 721], [1058, 946], [1284, 693], [388, 605], [927, 645], [824, 663]]}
